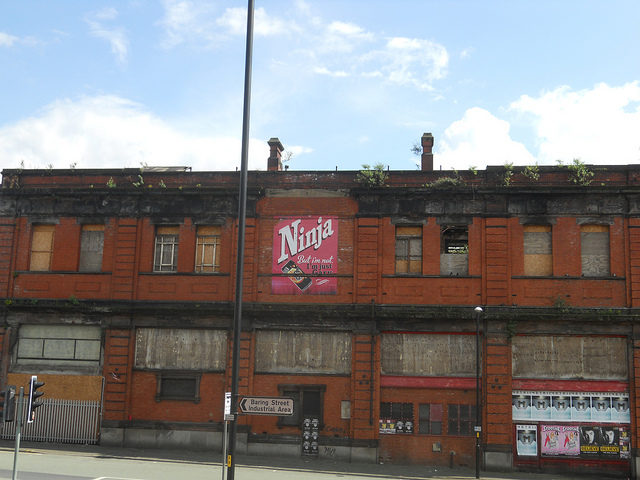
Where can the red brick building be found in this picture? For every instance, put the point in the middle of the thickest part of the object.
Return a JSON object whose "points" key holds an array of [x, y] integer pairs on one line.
{"points": [[359, 302]]}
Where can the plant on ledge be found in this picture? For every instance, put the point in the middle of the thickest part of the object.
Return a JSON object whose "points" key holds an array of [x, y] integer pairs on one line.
{"points": [[372, 177]]}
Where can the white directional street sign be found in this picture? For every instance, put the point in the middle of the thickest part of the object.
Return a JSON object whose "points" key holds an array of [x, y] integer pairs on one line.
{"points": [[280, 406]]}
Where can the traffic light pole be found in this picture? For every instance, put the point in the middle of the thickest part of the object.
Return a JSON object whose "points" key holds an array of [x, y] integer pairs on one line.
{"points": [[18, 431]]}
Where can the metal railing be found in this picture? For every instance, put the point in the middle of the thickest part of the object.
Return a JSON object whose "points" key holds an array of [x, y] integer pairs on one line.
{"points": [[59, 421]]}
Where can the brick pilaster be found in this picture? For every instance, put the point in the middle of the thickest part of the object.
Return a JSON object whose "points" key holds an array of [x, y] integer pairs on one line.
{"points": [[496, 259], [245, 370], [124, 266], [117, 373], [364, 391], [367, 260], [497, 383], [634, 261], [7, 229]]}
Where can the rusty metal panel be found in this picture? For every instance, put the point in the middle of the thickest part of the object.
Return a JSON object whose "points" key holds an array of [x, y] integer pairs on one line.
{"points": [[180, 349], [284, 351], [563, 357], [428, 354]]}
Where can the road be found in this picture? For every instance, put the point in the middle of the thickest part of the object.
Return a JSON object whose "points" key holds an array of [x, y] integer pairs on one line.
{"points": [[43, 464]]}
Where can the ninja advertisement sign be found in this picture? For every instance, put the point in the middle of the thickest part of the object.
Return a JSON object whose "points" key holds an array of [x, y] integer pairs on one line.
{"points": [[305, 256]]}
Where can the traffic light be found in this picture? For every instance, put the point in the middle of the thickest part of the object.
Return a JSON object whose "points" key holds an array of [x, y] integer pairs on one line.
{"points": [[33, 398], [8, 403]]}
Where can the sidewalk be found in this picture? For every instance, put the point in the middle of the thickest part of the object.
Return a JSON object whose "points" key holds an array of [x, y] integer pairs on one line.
{"points": [[379, 471]]}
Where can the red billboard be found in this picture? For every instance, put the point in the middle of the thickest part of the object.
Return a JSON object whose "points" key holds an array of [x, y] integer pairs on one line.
{"points": [[305, 256]]}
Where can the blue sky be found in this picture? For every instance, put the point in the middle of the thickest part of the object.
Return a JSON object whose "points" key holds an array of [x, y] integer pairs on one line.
{"points": [[340, 82]]}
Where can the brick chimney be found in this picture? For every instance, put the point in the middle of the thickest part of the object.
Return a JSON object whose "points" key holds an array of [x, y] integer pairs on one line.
{"points": [[427, 152], [274, 162]]}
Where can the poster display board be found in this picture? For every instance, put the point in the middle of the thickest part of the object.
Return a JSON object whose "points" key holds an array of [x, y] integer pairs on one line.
{"points": [[600, 442], [527, 440], [310, 435], [305, 256], [560, 440], [571, 406]]}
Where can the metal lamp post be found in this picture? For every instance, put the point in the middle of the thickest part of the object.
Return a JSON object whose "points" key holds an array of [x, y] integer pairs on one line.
{"points": [[478, 427]]}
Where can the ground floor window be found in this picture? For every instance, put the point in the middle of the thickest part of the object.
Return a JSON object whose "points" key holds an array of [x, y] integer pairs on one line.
{"points": [[461, 419], [308, 401], [430, 418], [396, 417], [178, 386]]}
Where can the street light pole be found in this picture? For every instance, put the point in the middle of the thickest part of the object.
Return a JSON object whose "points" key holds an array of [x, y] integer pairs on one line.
{"points": [[242, 214], [478, 427]]}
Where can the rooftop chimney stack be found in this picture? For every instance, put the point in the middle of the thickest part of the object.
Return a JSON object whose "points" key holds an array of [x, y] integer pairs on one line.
{"points": [[274, 162], [427, 152]]}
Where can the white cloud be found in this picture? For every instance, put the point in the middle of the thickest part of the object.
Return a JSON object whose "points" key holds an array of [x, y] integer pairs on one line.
{"points": [[113, 132], [7, 40], [235, 21], [201, 24], [412, 61], [479, 139], [466, 52], [187, 21], [598, 125], [116, 37], [330, 73]]}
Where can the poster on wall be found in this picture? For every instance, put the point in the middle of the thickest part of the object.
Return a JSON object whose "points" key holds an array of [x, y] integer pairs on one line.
{"points": [[527, 441], [624, 443], [571, 406], [541, 407], [589, 441], [305, 256], [560, 440]]}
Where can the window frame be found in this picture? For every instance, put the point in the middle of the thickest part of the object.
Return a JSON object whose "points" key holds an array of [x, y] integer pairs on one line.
{"points": [[164, 377], [595, 228], [458, 420], [454, 241], [410, 239], [207, 236], [166, 237], [400, 412], [88, 258], [37, 230], [537, 229], [427, 422]]}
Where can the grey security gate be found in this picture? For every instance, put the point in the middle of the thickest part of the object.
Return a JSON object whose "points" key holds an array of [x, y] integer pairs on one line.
{"points": [[60, 421]]}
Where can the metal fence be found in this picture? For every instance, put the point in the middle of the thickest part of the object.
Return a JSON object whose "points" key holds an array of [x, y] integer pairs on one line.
{"points": [[59, 421]]}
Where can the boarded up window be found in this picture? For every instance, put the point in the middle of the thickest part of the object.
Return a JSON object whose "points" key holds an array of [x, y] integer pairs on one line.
{"points": [[284, 351], [91, 246], [208, 250], [72, 347], [594, 243], [409, 250], [41, 248], [181, 349], [166, 252], [454, 250], [565, 357], [537, 250], [428, 354]]}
